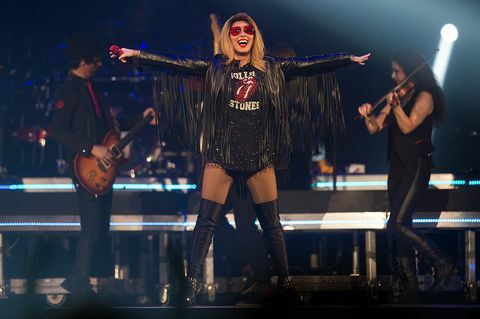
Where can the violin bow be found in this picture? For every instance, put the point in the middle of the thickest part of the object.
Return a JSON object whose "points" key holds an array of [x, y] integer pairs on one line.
{"points": [[399, 85]]}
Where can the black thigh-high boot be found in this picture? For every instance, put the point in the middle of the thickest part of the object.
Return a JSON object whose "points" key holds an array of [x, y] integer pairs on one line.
{"points": [[207, 220], [268, 216]]}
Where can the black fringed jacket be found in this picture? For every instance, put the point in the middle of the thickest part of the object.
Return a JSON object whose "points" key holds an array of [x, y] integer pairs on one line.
{"points": [[190, 94]]}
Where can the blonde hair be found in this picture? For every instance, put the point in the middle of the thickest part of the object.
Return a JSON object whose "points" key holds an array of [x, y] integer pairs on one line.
{"points": [[258, 48]]}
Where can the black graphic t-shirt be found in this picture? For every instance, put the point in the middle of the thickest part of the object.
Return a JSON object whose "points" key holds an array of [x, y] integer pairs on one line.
{"points": [[243, 113]]}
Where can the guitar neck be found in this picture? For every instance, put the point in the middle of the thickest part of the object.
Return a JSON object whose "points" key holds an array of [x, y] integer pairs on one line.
{"points": [[134, 131]]}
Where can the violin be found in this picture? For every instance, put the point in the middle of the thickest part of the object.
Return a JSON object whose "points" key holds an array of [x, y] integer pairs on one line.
{"points": [[402, 88]]}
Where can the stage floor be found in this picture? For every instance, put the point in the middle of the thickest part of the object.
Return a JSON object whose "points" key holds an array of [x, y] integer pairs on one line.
{"points": [[98, 310]]}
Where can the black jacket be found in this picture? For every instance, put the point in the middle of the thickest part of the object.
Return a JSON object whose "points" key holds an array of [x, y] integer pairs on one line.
{"points": [[200, 114], [75, 123]]}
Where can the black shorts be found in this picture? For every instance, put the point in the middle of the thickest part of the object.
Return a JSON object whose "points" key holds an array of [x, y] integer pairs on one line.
{"points": [[240, 178]]}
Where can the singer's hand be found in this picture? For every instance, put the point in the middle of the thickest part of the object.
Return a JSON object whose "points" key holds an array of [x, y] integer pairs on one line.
{"points": [[360, 59], [125, 53]]}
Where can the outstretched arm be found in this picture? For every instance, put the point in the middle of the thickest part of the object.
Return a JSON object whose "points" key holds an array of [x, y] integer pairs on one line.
{"points": [[189, 65], [306, 66]]}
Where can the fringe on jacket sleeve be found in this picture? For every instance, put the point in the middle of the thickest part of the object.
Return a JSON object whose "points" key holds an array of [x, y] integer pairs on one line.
{"points": [[178, 100], [316, 114]]}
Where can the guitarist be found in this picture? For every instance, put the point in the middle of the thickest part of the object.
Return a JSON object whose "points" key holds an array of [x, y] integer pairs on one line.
{"points": [[82, 118]]}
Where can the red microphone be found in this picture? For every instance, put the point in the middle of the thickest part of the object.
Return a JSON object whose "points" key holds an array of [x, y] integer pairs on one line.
{"points": [[115, 49]]}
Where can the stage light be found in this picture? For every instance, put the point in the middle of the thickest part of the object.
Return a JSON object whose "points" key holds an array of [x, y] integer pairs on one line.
{"points": [[449, 34]]}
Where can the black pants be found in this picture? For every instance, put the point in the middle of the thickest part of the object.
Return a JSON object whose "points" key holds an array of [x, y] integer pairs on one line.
{"points": [[95, 222], [406, 186], [243, 245]]}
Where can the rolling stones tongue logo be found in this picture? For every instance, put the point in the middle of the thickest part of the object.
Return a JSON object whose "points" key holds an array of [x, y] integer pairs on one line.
{"points": [[245, 89]]}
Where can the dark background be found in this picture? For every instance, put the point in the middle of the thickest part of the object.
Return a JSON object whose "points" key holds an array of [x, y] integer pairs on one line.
{"points": [[33, 36]]}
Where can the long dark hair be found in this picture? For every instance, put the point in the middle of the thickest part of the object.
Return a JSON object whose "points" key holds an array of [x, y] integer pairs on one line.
{"points": [[424, 79]]}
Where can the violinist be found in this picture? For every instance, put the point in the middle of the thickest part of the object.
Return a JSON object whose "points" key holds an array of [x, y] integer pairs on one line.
{"points": [[410, 113]]}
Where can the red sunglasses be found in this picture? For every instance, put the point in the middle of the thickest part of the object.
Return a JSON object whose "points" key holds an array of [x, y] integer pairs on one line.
{"points": [[248, 29]]}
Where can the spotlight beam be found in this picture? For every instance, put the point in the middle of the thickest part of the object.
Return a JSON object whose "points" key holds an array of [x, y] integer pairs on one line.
{"points": [[449, 34]]}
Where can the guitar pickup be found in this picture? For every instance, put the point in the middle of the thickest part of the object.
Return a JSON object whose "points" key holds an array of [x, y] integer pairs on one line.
{"points": [[116, 151]]}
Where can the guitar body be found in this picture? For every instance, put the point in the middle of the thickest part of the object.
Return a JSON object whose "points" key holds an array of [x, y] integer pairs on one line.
{"points": [[95, 177]]}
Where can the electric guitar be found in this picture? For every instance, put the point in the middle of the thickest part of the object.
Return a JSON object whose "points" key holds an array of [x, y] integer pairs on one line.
{"points": [[98, 176]]}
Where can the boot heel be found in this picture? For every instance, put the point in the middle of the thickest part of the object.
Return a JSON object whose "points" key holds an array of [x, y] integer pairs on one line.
{"points": [[192, 288], [287, 295]]}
